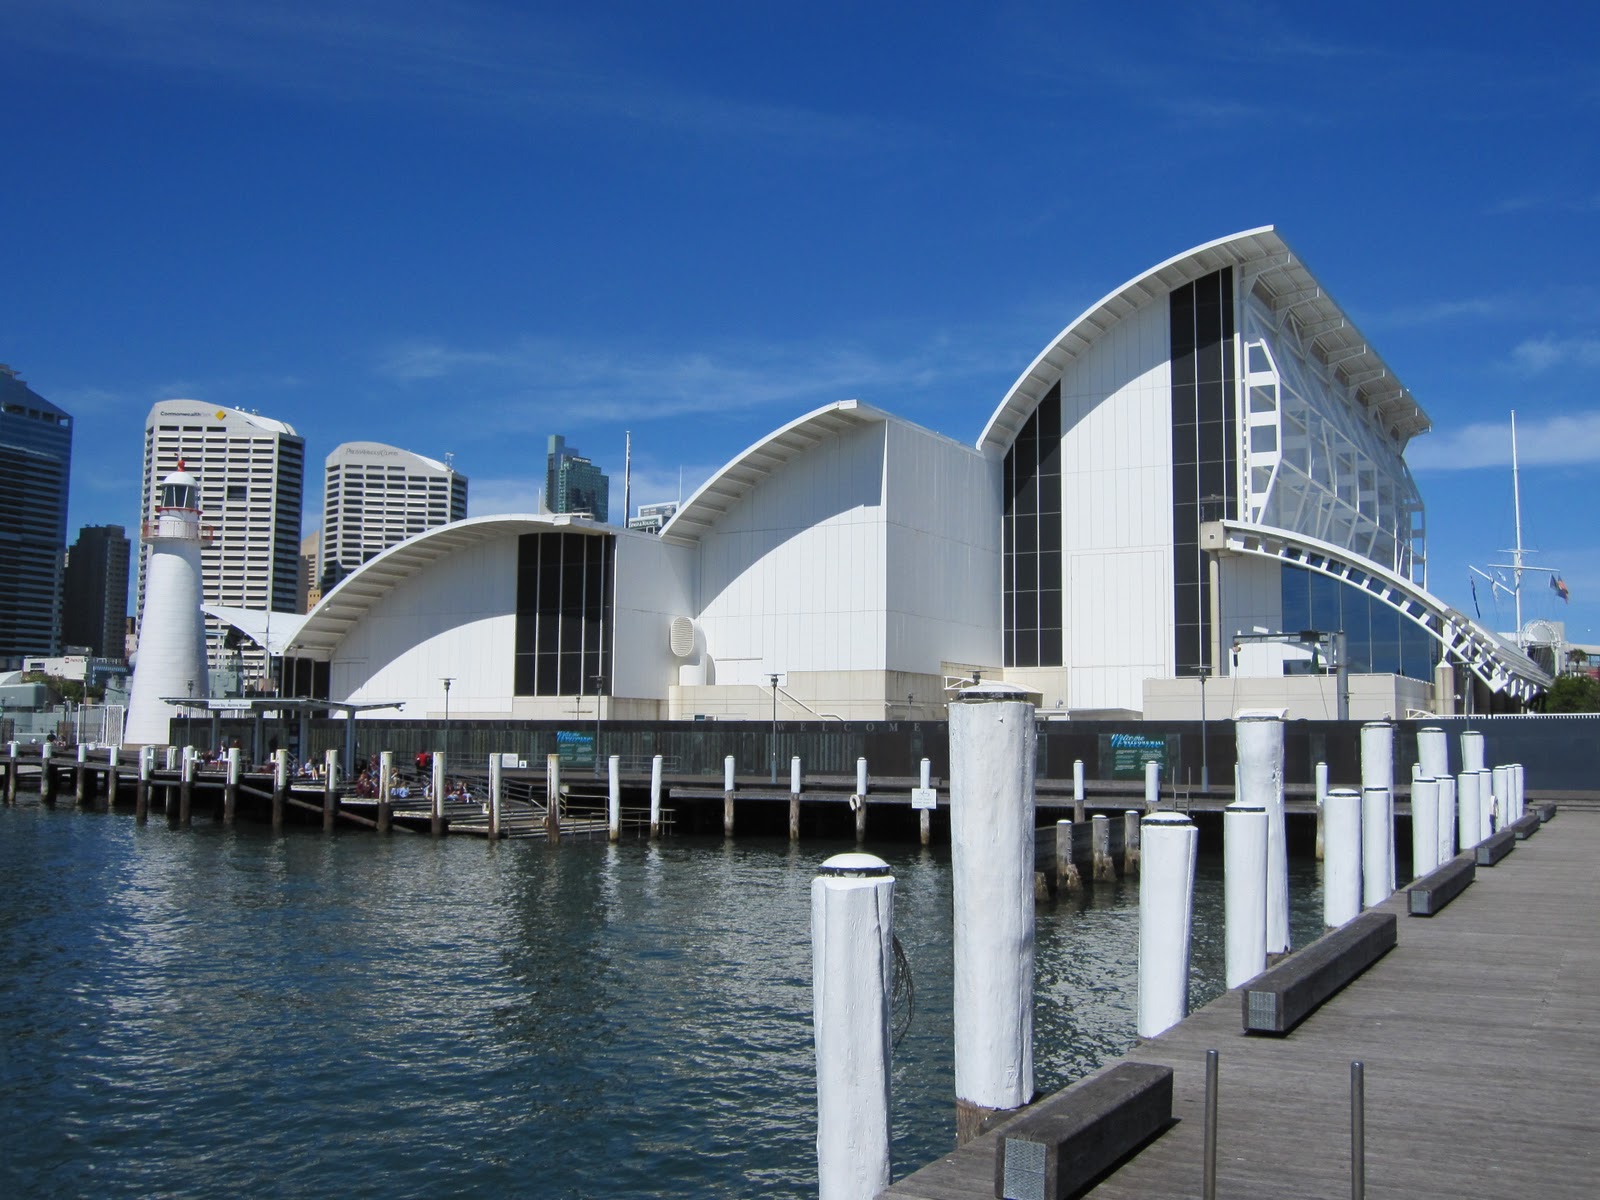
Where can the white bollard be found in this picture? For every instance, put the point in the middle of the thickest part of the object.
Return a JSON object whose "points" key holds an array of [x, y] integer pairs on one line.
{"points": [[1447, 819], [1485, 804], [861, 778], [993, 746], [1260, 782], [1341, 863], [927, 772], [655, 796], [1433, 752], [1152, 786], [1424, 826], [727, 774], [794, 775], [852, 956], [1501, 777], [1471, 751], [439, 783], [1377, 770], [1467, 809], [1519, 789], [1377, 846], [496, 787], [614, 798], [1077, 790], [172, 758], [1244, 888], [1166, 896]]}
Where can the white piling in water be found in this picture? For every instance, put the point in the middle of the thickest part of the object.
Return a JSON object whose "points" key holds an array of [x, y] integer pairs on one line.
{"points": [[860, 799], [794, 775], [1260, 782], [1321, 776], [1485, 803], [1424, 826], [924, 817], [1377, 770], [436, 812], [655, 796], [727, 796], [614, 798], [1244, 889], [1103, 868], [1377, 845], [1077, 790], [1471, 750], [993, 748], [496, 789], [1447, 818], [1152, 786], [852, 956], [1341, 866], [552, 797], [385, 791], [1166, 902], [1502, 796], [794, 798], [1467, 809], [1433, 752]]}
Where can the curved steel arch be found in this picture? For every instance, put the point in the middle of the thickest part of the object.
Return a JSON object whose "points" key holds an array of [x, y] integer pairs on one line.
{"points": [[1501, 666]]}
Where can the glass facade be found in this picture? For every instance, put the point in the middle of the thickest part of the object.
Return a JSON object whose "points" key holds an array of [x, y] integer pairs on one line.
{"points": [[1377, 638], [1031, 532], [1205, 451], [563, 636], [35, 463]]}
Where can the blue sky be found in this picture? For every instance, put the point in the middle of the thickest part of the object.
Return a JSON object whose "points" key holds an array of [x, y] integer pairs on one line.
{"points": [[464, 226]]}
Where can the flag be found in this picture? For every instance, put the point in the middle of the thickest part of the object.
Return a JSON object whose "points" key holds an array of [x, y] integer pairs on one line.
{"points": [[1474, 584], [1559, 586]]}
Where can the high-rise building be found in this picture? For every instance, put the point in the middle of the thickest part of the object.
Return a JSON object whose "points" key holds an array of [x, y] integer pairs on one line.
{"points": [[35, 464], [308, 588], [573, 484], [251, 474], [94, 602], [376, 496]]}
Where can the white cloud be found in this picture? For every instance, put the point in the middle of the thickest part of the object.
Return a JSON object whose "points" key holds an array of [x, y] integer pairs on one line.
{"points": [[1541, 354], [485, 497], [1554, 441]]}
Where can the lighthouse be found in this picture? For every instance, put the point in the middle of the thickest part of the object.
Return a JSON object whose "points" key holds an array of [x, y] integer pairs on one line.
{"points": [[172, 639]]}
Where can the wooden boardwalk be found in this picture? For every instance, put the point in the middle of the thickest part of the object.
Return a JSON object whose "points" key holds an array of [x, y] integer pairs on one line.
{"points": [[1480, 1033]]}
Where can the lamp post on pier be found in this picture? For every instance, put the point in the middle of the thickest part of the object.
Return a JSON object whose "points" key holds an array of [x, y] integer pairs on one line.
{"points": [[773, 747], [447, 681], [1205, 767], [599, 691]]}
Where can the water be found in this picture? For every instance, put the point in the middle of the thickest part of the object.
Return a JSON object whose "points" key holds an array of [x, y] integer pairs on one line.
{"points": [[193, 1014]]}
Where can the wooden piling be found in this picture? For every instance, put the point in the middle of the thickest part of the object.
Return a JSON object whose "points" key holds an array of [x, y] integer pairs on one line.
{"points": [[185, 789], [655, 797], [11, 772], [794, 799], [385, 789], [1105, 870], [80, 777], [1130, 843], [728, 787], [280, 786], [436, 825], [47, 775], [113, 775], [1068, 878], [230, 788], [330, 790], [141, 793], [861, 818], [496, 786], [924, 817], [552, 798]]}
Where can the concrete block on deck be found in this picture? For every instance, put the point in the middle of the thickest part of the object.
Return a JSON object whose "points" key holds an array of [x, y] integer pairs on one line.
{"points": [[1495, 847], [1434, 890], [1547, 813], [1525, 826], [1060, 1146], [1279, 999]]}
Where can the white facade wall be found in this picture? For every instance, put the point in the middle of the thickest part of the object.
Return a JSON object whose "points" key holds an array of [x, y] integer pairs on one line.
{"points": [[943, 553], [456, 619], [1116, 499], [655, 583], [792, 578]]}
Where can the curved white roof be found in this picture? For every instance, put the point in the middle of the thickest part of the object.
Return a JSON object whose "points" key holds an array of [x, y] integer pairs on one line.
{"points": [[1279, 278], [198, 410], [741, 475], [376, 453], [327, 624]]}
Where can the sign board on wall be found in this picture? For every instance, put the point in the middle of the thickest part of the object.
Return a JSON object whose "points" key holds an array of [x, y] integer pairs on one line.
{"points": [[924, 798], [1127, 753], [575, 749]]}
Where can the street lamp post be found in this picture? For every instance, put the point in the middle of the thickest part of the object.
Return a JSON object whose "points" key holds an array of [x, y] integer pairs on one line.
{"points": [[447, 681], [599, 691], [1205, 766], [773, 746]]}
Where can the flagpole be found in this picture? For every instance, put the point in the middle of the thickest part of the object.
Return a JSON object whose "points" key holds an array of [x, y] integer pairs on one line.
{"points": [[1516, 499]]}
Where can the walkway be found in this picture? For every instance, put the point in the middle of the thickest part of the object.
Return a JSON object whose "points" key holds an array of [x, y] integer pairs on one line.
{"points": [[1480, 1033]]}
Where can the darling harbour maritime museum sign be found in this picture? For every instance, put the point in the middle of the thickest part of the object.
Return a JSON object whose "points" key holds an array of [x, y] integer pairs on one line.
{"points": [[1127, 753]]}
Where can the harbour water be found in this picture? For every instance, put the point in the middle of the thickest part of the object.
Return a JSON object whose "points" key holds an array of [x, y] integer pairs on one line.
{"points": [[228, 1011]]}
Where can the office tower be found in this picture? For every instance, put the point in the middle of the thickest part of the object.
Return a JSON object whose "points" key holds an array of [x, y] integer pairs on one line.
{"points": [[308, 588], [573, 484], [250, 471], [35, 463], [376, 496], [94, 603]]}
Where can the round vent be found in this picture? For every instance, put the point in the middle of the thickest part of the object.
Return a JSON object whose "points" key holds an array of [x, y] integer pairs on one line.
{"points": [[682, 637]]}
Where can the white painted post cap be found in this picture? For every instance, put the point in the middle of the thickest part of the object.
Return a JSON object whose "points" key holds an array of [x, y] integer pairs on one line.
{"points": [[853, 864]]}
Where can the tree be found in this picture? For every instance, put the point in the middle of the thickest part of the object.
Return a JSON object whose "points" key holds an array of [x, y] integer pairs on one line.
{"points": [[1573, 693]]}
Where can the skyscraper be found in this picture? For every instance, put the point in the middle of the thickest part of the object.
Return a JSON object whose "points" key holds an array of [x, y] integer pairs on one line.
{"points": [[35, 464], [376, 496], [251, 474], [573, 484], [94, 604]]}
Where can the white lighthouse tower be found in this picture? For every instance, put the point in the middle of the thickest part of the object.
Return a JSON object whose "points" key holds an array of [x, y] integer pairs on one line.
{"points": [[172, 632]]}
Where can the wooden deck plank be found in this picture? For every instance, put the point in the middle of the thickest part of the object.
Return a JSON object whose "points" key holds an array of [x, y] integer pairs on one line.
{"points": [[1479, 1035]]}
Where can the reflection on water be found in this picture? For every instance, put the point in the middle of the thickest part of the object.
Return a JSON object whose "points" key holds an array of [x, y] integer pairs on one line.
{"points": [[188, 1014]]}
